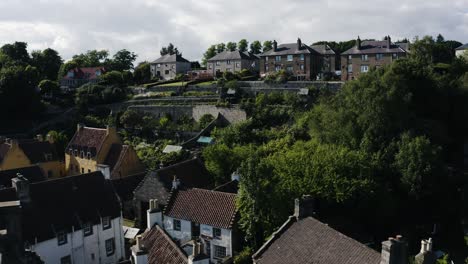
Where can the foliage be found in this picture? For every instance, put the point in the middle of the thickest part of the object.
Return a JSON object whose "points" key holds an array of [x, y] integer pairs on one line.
{"points": [[94, 94], [122, 61], [17, 52], [244, 257], [205, 120], [231, 46], [49, 87], [131, 118], [60, 140], [47, 62], [92, 58], [169, 50], [220, 47], [256, 47], [267, 45], [210, 53], [112, 78], [243, 45]]}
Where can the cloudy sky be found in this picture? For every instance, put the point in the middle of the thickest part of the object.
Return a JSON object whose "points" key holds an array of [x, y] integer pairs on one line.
{"points": [[143, 26]]}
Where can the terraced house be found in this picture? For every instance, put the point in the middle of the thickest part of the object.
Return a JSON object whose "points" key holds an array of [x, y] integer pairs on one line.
{"points": [[168, 66], [327, 60], [300, 60], [233, 61], [100, 149], [367, 54]]}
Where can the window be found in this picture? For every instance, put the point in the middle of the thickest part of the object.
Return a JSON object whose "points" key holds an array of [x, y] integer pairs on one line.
{"points": [[48, 157], [106, 223], [289, 69], [82, 170], [266, 68], [238, 65], [89, 171], [210, 66], [88, 155], [219, 252], [65, 260], [216, 233], [378, 56], [350, 68], [82, 154], [277, 68], [290, 57], [350, 57], [166, 72], [176, 224], [302, 57], [75, 153], [61, 238], [110, 246], [208, 247], [364, 68], [228, 62], [266, 59], [277, 58], [395, 56], [218, 63], [158, 65], [87, 229], [364, 57]]}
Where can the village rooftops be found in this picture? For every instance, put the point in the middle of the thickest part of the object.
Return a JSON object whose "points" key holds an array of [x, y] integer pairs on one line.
{"points": [[170, 59], [161, 248], [36, 151], [375, 46], [233, 55], [32, 173], [289, 49], [323, 49], [87, 73], [88, 139], [201, 206]]}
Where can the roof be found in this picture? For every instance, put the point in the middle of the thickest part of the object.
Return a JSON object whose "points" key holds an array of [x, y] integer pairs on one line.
{"points": [[130, 232], [310, 241], [161, 248], [88, 139], [125, 186], [463, 47], [229, 187], [288, 49], [207, 207], [86, 73], [172, 148], [375, 46], [4, 148], [59, 205], [158, 184], [233, 55], [32, 173], [323, 49], [8, 194], [36, 151], [170, 59], [205, 140]]}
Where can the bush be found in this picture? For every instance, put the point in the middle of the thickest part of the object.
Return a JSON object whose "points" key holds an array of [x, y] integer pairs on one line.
{"points": [[244, 257]]}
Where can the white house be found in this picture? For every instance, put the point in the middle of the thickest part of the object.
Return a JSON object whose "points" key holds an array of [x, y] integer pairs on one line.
{"points": [[168, 66], [462, 51], [76, 219]]}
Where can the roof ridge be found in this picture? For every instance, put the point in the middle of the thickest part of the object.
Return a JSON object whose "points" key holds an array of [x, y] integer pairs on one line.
{"points": [[291, 220], [212, 191]]}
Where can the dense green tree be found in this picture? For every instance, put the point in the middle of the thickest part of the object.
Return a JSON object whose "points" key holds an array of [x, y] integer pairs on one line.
{"points": [[210, 53], [256, 47], [131, 118], [169, 50], [66, 67], [93, 94], [231, 46], [267, 45], [142, 73], [243, 45], [49, 87], [92, 58], [17, 52], [123, 60], [47, 62], [112, 78], [220, 47], [60, 140]]}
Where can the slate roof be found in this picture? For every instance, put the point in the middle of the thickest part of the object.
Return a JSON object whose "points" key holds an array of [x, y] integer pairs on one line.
{"points": [[207, 207], [375, 46], [32, 173], [323, 49], [158, 184], [36, 150], [59, 205], [233, 55], [125, 186], [88, 139], [86, 73], [463, 47], [310, 241], [161, 248], [170, 59], [229, 187], [289, 49]]}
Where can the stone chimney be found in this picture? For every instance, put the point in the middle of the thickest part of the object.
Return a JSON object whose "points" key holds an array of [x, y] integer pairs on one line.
{"points": [[105, 170], [79, 126], [389, 42], [111, 130], [304, 207], [275, 45], [394, 251], [21, 184], [426, 255], [139, 252], [299, 44], [197, 256], [154, 214], [175, 183], [39, 137], [235, 176], [358, 43]]}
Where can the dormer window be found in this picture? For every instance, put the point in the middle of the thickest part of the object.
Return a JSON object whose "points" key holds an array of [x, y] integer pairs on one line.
{"points": [[61, 238], [228, 62], [88, 155], [75, 153], [87, 229], [218, 63], [48, 156], [106, 223], [70, 74], [98, 72], [82, 154]]}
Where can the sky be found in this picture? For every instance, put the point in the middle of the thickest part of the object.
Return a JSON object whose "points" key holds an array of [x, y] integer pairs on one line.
{"points": [[144, 26]]}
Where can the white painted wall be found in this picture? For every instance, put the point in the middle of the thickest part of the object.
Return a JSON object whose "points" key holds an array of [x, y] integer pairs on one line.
{"points": [[185, 233], [460, 53], [224, 241], [82, 248]]}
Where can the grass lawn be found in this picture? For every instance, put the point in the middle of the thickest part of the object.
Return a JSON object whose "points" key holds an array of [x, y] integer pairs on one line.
{"points": [[208, 83], [128, 222], [172, 84]]}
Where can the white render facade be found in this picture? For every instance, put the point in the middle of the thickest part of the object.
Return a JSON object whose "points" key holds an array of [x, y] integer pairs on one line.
{"points": [[92, 248], [169, 70]]}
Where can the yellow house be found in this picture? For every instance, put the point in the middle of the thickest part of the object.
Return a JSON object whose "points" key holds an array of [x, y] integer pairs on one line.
{"points": [[16, 153], [100, 149]]}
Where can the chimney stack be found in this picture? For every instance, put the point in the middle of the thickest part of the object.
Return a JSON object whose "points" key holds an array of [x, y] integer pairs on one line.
{"points": [[79, 126], [394, 251], [389, 42], [39, 137], [275, 45], [154, 214], [139, 253], [175, 183], [197, 256], [426, 256], [304, 207], [21, 184], [299, 44], [235, 176], [358, 43], [111, 130], [50, 139]]}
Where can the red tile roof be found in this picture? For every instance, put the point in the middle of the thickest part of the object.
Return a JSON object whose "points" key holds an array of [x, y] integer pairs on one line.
{"points": [[88, 73], [88, 139], [310, 241], [207, 207], [161, 248]]}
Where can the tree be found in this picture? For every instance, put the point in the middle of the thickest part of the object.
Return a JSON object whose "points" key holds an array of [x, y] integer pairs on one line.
{"points": [[440, 39], [49, 87], [123, 60], [142, 73], [17, 51], [47, 62], [131, 119], [92, 58], [256, 47], [112, 78], [60, 140], [210, 53], [243, 45], [231, 46], [267, 45], [220, 47], [66, 67], [169, 50]]}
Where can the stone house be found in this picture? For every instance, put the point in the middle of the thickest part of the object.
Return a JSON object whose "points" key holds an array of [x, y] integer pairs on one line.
{"points": [[300, 60], [101, 149], [327, 59], [168, 66], [19, 153], [233, 61], [73, 219], [367, 54], [462, 51], [79, 76]]}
